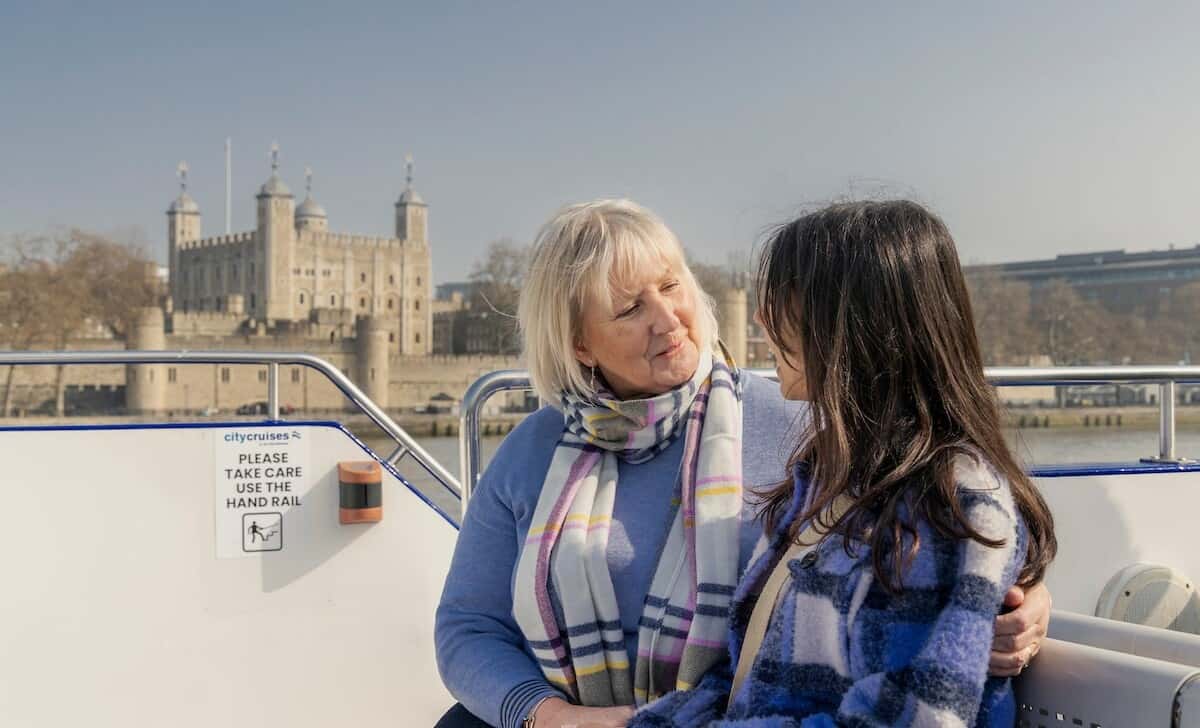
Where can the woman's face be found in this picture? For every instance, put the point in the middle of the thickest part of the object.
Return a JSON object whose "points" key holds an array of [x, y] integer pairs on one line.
{"points": [[790, 370], [644, 339]]}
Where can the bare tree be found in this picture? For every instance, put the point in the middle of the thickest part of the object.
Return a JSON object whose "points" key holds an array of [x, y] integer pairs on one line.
{"points": [[1070, 328], [119, 279], [58, 283], [1181, 326], [496, 289], [714, 280], [1001, 308], [24, 303]]}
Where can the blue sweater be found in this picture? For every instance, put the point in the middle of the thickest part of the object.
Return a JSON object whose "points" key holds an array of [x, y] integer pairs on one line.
{"points": [[840, 651], [481, 653]]}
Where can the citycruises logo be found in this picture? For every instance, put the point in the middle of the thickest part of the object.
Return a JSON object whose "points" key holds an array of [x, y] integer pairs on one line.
{"points": [[270, 436]]}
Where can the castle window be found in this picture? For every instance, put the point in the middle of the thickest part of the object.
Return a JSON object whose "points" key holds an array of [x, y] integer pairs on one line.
{"points": [[417, 304], [225, 375], [418, 337], [262, 376], [171, 375], [331, 335], [391, 338], [372, 374], [362, 277], [333, 300], [295, 271], [295, 374], [362, 303], [418, 281], [251, 269], [251, 301], [390, 302], [301, 298]]}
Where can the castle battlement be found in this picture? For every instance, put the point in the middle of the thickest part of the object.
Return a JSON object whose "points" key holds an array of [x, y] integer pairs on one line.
{"points": [[346, 240], [208, 317], [218, 241]]}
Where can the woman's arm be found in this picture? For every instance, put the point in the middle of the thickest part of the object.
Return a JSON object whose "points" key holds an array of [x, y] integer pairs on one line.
{"points": [[480, 651]]}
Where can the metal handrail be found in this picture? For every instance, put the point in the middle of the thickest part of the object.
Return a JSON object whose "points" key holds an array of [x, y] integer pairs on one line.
{"points": [[1166, 377], [405, 443]]}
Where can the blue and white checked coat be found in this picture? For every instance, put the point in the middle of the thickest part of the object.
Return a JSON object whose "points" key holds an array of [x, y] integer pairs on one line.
{"points": [[841, 651]]}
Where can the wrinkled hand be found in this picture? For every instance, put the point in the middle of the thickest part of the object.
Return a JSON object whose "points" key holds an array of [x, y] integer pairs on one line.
{"points": [[558, 713], [1019, 633]]}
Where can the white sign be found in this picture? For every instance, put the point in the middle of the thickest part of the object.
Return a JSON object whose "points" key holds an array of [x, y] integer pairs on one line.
{"points": [[261, 478]]}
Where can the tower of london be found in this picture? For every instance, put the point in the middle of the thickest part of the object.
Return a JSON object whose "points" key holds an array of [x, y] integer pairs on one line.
{"points": [[360, 302], [291, 274]]}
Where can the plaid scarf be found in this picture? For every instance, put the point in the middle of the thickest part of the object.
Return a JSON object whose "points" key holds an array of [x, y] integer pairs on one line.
{"points": [[563, 598]]}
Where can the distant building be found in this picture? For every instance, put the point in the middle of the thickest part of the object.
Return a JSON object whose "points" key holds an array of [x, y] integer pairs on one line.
{"points": [[1123, 282], [463, 325], [446, 309], [448, 291]]}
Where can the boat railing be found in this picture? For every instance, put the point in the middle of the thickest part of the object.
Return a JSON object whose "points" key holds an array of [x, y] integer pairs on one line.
{"points": [[1165, 377], [405, 445]]}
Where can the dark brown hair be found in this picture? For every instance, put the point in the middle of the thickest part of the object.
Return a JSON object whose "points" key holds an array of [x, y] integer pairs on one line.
{"points": [[870, 299]]}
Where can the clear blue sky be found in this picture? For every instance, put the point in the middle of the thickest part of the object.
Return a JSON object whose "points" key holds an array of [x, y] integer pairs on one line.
{"points": [[1032, 130]]}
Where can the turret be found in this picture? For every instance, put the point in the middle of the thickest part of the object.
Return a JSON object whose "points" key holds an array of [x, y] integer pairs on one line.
{"points": [[732, 321], [146, 384], [274, 280], [310, 215], [411, 211], [373, 365], [183, 223]]}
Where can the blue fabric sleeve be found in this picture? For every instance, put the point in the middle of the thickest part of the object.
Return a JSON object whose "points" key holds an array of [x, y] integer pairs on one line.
{"points": [[939, 674], [480, 650]]}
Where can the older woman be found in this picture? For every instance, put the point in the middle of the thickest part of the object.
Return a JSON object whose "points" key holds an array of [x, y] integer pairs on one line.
{"points": [[596, 563]]}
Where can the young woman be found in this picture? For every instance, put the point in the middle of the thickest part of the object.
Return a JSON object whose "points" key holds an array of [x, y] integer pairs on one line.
{"points": [[920, 516]]}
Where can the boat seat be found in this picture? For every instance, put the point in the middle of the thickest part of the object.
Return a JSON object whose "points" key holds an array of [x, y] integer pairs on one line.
{"points": [[1132, 639], [1071, 684]]}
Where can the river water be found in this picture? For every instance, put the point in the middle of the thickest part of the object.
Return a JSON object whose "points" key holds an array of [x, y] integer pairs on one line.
{"points": [[1035, 447]]}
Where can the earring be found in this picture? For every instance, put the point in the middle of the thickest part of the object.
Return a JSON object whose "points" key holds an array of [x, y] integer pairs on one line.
{"points": [[593, 382]]}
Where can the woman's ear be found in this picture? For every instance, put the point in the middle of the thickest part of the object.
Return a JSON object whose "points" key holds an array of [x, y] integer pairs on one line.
{"points": [[583, 354]]}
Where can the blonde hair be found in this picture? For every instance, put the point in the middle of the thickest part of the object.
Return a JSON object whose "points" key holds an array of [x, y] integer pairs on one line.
{"points": [[579, 256]]}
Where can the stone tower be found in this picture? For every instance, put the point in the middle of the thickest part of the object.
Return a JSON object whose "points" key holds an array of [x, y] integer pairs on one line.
{"points": [[273, 279], [183, 223], [146, 384], [416, 320], [411, 211], [732, 320], [372, 349]]}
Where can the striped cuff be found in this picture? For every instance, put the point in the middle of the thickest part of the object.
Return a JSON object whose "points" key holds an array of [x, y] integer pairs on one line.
{"points": [[522, 699]]}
